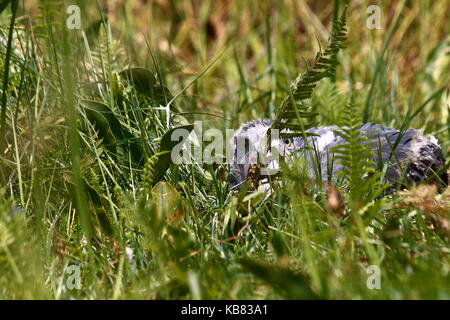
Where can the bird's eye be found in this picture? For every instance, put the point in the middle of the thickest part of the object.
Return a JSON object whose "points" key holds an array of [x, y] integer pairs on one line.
{"points": [[287, 142]]}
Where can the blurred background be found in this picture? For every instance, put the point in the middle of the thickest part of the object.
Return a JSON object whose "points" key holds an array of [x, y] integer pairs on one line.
{"points": [[263, 40], [82, 184]]}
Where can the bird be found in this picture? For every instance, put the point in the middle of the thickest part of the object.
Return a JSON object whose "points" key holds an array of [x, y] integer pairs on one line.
{"points": [[411, 157]]}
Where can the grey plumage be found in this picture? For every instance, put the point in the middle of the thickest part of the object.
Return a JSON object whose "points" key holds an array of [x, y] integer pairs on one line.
{"points": [[415, 158]]}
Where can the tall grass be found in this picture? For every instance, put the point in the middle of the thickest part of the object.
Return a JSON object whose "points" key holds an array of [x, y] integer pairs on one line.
{"points": [[85, 181]]}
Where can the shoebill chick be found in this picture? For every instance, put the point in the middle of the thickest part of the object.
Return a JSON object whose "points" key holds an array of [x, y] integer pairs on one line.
{"points": [[415, 159]]}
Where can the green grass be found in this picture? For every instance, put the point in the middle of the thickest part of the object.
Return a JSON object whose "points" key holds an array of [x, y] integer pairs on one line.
{"points": [[84, 182]]}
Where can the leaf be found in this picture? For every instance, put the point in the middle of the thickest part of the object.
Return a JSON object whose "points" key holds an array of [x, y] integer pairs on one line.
{"points": [[118, 139], [168, 202], [166, 141], [164, 157], [279, 244], [4, 4], [103, 121], [142, 78], [145, 84], [150, 168], [230, 214]]}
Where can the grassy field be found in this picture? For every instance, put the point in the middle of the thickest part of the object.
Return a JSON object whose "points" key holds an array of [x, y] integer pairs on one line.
{"points": [[91, 209]]}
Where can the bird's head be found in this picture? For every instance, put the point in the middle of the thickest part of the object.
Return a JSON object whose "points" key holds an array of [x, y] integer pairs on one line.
{"points": [[250, 146]]}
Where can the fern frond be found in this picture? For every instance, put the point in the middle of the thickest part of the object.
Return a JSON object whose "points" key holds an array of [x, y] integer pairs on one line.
{"points": [[329, 101], [325, 63], [148, 174], [154, 169], [355, 155]]}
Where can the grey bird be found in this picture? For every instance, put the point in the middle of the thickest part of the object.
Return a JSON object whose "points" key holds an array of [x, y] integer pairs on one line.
{"points": [[410, 156]]}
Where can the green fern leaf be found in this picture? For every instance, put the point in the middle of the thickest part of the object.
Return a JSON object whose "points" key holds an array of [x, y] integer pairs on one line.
{"points": [[292, 108]]}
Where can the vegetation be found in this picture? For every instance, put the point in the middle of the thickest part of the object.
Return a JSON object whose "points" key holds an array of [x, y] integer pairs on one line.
{"points": [[86, 183]]}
